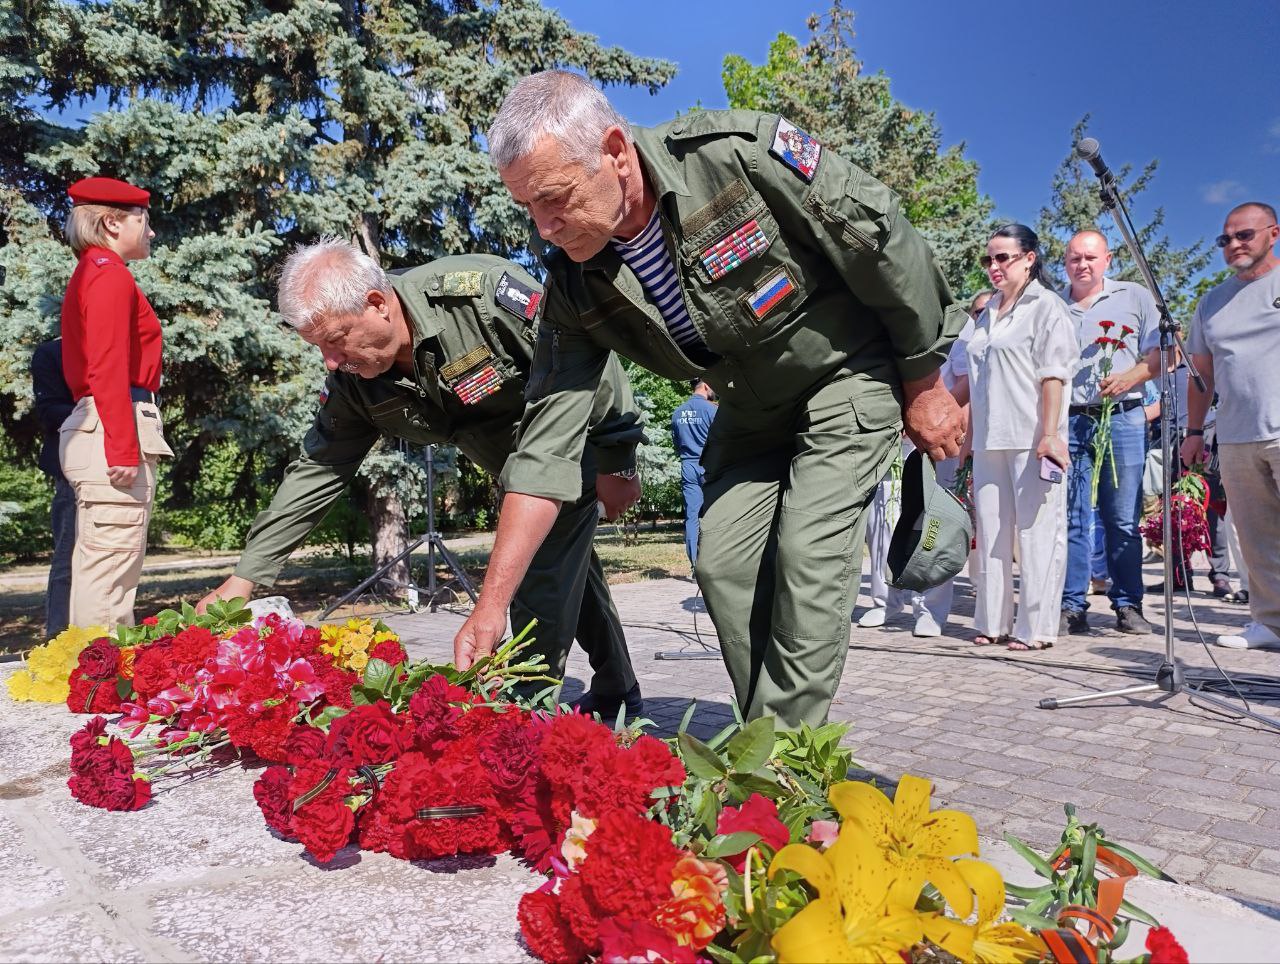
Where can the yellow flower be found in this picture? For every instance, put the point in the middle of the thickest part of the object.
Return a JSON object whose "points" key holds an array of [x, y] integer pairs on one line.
{"points": [[917, 844], [853, 918], [358, 661], [987, 941], [47, 668]]}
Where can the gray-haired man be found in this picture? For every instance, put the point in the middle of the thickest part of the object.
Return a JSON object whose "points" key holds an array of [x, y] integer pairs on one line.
{"points": [[731, 245]]}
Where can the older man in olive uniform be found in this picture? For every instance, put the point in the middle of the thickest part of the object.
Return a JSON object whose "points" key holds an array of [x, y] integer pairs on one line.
{"points": [[441, 353], [733, 245]]}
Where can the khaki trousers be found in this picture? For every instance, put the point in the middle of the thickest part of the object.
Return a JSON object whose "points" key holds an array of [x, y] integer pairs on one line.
{"points": [[111, 523], [1251, 476]]}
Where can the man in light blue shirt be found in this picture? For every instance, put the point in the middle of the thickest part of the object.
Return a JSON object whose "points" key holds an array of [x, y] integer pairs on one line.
{"points": [[690, 424], [1123, 312]]}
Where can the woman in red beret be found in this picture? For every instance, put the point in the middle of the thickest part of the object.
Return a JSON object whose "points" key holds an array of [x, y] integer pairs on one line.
{"points": [[110, 443]]}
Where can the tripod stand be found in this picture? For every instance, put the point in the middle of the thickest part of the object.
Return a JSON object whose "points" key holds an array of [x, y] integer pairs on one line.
{"points": [[434, 543], [1170, 677]]}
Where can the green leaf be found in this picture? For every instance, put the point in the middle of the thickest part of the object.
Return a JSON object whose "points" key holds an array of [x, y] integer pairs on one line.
{"points": [[1029, 920], [723, 735], [728, 845], [1089, 857], [749, 783], [1030, 856], [124, 687], [1121, 935], [700, 759], [707, 810], [1027, 893], [688, 715], [328, 715], [379, 675], [1142, 863], [1137, 913], [752, 746]]}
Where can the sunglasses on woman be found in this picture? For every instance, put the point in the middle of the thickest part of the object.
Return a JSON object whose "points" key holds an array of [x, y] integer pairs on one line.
{"points": [[1244, 237], [1003, 258]]}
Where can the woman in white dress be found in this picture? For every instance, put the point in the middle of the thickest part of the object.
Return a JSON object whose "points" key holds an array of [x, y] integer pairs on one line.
{"points": [[1022, 353]]}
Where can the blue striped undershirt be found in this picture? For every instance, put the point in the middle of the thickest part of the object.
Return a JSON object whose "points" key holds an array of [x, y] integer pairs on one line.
{"points": [[646, 255]]}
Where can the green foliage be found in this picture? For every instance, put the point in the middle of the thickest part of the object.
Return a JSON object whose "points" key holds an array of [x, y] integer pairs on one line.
{"points": [[25, 496], [1071, 874], [821, 87], [656, 459], [256, 126], [223, 616], [1075, 205]]}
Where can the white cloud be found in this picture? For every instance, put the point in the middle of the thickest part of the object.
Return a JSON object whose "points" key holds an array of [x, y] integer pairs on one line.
{"points": [[1272, 146], [1222, 192]]}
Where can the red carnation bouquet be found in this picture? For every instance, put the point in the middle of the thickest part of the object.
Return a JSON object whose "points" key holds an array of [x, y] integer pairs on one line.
{"points": [[1103, 448], [1189, 522]]}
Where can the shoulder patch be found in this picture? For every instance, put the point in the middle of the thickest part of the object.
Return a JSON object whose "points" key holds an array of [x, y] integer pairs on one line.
{"points": [[101, 261], [519, 299], [795, 148], [462, 284], [324, 391]]}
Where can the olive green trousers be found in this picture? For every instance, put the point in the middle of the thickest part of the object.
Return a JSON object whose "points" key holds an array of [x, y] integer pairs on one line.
{"points": [[787, 491], [565, 590]]}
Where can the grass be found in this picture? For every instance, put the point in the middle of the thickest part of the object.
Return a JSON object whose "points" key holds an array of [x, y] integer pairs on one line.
{"points": [[312, 582]]}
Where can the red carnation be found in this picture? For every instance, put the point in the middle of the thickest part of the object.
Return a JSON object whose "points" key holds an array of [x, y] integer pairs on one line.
{"points": [[432, 707], [1106, 325], [337, 682], [99, 660], [545, 930], [193, 646], [324, 823], [509, 752], [303, 744], [419, 783], [389, 651], [1164, 947], [92, 695], [582, 915], [102, 770], [624, 939], [150, 621], [264, 733], [272, 793], [629, 864], [153, 670], [368, 735], [1126, 330], [758, 815]]}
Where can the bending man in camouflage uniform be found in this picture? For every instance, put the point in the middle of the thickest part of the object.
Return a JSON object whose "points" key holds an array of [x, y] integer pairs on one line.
{"points": [[441, 354], [731, 245]]}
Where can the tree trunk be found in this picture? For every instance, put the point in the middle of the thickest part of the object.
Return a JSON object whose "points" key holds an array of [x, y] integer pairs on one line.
{"points": [[388, 532]]}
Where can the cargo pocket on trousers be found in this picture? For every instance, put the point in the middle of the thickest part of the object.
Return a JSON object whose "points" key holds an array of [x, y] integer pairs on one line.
{"points": [[115, 526], [879, 418], [151, 431], [75, 452]]}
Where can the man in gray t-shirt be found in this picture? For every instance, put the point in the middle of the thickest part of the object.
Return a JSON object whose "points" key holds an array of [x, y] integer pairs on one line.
{"points": [[1235, 340]]}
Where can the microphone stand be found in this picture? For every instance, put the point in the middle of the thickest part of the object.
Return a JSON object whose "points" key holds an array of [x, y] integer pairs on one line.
{"points": [[1170, 678]]}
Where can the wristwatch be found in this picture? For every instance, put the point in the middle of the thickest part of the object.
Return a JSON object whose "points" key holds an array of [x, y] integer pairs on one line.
{"points": [[1195, 431], [626, 475]]}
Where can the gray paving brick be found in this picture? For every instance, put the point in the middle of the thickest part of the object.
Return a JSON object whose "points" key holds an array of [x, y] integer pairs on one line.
{"points": [[1181, 819], [991, 797], [1190, 767], [1184, 868], [1242, 880], [1210, 806], [1248, 833], [1267, 861], [1179, 841]]}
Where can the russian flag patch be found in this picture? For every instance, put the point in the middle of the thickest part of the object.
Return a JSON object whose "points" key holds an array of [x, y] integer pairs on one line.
{"points": [[775, 289]]}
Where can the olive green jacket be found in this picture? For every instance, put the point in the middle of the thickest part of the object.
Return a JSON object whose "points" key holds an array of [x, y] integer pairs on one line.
{"points": [[472, 318], [861, 293]]}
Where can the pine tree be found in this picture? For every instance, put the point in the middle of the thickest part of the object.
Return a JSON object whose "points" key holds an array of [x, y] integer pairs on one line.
{"points": [[1076, 205], [257, 124], [821, 87]]}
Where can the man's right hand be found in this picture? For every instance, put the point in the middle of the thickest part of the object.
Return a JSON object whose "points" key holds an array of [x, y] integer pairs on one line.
{"points": [[122, 476], [479, 635], [1192, 450], [235, 587]]}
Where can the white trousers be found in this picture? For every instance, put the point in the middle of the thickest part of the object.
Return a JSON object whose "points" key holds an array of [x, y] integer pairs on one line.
{"points": [[885, 509], [1015, 508]]}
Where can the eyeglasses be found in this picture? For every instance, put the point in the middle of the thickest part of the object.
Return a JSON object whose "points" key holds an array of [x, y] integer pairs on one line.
{"points": [[1004, 257], [1244, 237]]}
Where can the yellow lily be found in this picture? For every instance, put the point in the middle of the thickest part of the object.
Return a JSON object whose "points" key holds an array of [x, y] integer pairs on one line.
{"points": [[987, 941], [917, 844], [851, 919]]}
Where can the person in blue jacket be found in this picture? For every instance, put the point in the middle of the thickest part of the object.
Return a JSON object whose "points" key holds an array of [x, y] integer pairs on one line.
{"points": [[690, 424], [54, 403]]}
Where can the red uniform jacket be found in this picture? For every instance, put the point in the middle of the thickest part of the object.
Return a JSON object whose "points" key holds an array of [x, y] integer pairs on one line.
{"points": [[110, 341]]}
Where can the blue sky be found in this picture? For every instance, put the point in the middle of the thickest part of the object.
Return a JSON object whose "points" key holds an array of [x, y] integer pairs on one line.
{"points": [[1193, 84]]}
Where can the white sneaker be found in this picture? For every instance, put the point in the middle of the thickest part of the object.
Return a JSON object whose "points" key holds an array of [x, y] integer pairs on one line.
{"points": [[926, 625], [874, 618], [1253, 636]]}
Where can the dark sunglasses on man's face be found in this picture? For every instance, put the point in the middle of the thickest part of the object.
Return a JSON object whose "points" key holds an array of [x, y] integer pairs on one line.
{"points": [[1004, 257], [1244, 237]]}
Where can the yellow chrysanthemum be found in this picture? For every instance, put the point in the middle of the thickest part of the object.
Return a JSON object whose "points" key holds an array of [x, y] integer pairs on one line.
{"points": [[47, 668], [917, 843], [853, 918]]}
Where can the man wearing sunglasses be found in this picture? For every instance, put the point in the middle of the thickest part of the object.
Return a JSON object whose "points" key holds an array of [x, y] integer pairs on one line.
{"points": [[1235, 339]]}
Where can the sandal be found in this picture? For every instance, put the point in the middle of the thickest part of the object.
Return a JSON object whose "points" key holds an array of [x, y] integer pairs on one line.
{"points": [[981, 640], [1018, 646]]}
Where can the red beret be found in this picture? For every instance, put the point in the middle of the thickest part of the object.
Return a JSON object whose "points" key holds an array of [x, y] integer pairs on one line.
{"points": [[107, 190]]}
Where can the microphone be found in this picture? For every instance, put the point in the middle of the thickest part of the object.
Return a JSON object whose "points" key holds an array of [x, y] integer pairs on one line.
{"points": [[1087, 150]]}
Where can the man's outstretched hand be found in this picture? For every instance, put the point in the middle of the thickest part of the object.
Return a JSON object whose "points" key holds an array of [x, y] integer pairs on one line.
{"points": [[479, 636], [235, 587]]}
